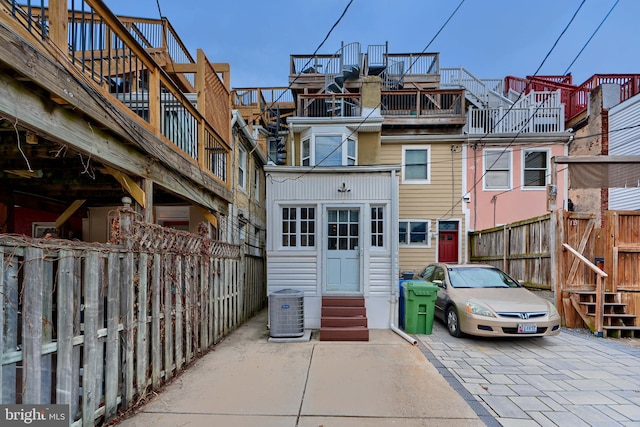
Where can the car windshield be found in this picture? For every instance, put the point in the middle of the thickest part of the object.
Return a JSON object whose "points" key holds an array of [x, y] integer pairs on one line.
{"points": [[480, 277]]}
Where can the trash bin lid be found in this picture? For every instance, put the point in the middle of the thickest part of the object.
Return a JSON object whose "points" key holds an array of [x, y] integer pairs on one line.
{"points": [[420, 287]]}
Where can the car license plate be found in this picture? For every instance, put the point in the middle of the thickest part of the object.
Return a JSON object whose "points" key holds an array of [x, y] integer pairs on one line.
{"points": [[527, 328]]}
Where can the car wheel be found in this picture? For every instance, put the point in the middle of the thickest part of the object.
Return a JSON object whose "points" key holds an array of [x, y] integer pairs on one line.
{"points": [[453, 323]]}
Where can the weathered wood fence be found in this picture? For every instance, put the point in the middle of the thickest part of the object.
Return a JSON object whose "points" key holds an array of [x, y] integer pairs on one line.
{"points": [[99, 326], [522, 249]]}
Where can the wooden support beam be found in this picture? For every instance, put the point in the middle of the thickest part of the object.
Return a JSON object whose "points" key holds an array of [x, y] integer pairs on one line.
{"points": [[208, 216], [129, 185], [68, 212]]}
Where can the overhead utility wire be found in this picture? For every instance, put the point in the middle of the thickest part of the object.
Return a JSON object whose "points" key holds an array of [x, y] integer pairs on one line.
{"points": [[379, 104], [510, 143], [574, 60]]}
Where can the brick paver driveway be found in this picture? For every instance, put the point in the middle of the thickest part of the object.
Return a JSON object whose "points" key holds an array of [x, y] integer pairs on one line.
{"points": [[572, 379]]}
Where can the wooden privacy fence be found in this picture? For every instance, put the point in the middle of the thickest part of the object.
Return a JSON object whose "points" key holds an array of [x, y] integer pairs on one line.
{"points": [[99, 326], [522, 249], [531, 250]]}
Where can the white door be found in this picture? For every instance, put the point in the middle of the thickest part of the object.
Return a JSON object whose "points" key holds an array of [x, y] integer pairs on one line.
{"points": [[343, 250]]}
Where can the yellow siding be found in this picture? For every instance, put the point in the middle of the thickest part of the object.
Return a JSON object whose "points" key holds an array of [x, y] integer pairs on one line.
{"points": [[438, 200]]}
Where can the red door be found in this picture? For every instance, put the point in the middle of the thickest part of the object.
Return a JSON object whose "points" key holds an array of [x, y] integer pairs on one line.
{"points": [[448, 246]]}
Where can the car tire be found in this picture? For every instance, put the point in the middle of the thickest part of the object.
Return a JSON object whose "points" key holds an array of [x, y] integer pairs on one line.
{"points": [[453, 322]]}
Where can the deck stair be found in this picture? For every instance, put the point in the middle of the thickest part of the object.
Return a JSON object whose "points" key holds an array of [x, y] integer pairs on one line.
{"points": [[343, 319], [482, 93], [617, 323]]}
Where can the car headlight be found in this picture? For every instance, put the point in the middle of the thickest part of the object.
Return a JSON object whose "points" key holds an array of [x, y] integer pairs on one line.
{"points": [[481, 310], [553, 311]]}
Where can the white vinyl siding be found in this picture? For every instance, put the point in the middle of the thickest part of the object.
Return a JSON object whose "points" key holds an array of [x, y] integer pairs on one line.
{"points": [[623, 137]]}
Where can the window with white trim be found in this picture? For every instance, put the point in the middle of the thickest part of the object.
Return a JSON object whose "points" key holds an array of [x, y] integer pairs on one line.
{"points": [[377, 226], [535, 168], [497, 169], [416, 164], [256, 184], [242, 168], [328, 150], [414, 232], [298, 226]]}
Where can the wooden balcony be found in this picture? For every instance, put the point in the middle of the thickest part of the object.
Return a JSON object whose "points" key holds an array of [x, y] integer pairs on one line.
{"points": [[93, 110], [142, 68], [432, 106]]}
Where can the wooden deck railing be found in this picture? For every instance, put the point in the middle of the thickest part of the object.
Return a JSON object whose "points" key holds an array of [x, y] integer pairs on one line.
{"points": [[423, 103], [135, 62]]}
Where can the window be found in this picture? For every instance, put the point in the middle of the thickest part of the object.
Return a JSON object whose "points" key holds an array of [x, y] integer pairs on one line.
{"points": [[535, 168], [328, 150], [377, 227], [306, 152], [273, 151], [298, 227], [415, 164], [256, 184], [242, 168], [497, 169], [414, 232], [242, 232]]}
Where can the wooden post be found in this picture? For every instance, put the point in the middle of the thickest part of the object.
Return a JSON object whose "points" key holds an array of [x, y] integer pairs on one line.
{"points": [[599, 305], [202, 104], [127, 302], [156, 354], [147, 184], [58, 23], [10, 327]]}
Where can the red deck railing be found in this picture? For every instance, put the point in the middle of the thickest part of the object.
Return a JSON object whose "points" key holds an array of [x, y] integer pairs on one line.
{"points": [[575, 98]]}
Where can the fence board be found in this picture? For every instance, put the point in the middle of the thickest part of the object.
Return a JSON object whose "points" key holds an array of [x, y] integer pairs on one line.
{"points": [[179, 314], [188, 302], [65, 372], [156, 345], [168, 329], [3, 310], [112, 358], [126, 313], [141, 329], [47, 328], [90, 354], [32, 326]]}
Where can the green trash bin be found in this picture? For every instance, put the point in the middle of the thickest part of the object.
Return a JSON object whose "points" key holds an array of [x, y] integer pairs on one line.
{"points": [[419, 306]]}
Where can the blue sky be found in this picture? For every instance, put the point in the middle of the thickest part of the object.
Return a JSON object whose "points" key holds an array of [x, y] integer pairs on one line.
{"points": [[489, 38]]}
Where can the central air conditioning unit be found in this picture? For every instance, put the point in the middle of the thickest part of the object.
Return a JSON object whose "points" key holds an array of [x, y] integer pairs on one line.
{"points": [[286, 313]]}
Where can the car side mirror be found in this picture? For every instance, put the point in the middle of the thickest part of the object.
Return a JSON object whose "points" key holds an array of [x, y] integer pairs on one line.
{"points": [[439, 283]]}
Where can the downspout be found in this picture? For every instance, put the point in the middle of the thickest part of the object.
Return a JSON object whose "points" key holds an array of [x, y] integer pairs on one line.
{"points": [[393, 314]]}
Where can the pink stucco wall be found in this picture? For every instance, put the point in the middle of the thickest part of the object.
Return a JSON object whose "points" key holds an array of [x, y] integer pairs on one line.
{"points": [[509, 205]]}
